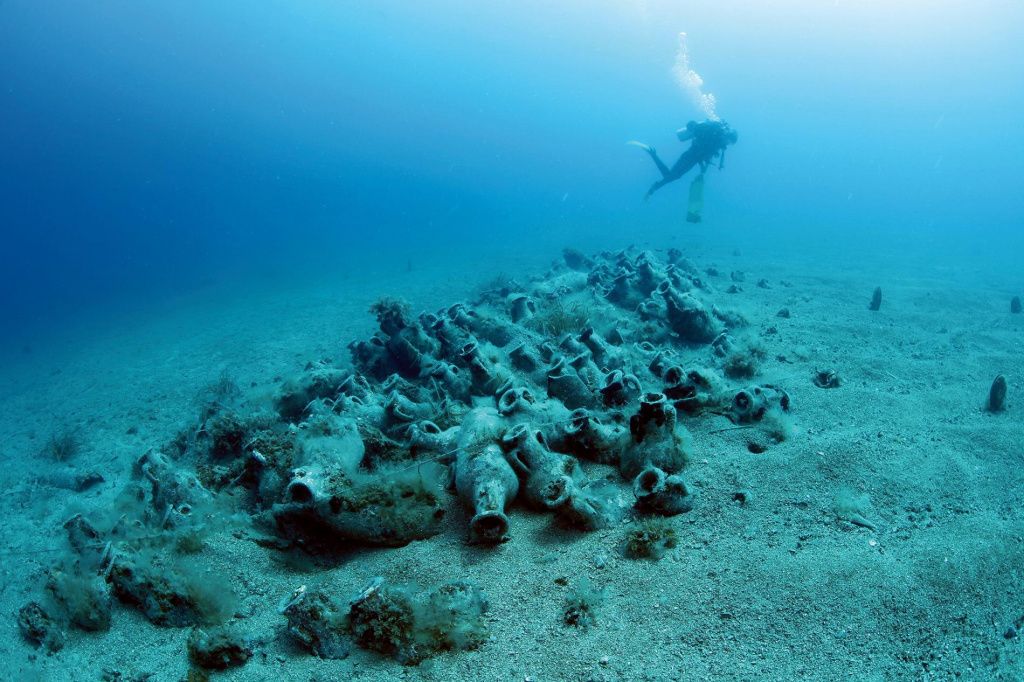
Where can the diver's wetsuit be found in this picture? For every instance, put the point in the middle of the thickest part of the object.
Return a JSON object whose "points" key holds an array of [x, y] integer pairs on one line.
{"points": [[707, 142]]}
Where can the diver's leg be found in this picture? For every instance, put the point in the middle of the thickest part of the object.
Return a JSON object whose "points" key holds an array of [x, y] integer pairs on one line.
{"points": [[662, 168], [678, 170], [655, 187], [682, 166]]}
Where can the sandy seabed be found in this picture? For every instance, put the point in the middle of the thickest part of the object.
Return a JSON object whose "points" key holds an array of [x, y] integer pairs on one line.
{"points": [[777, 587]]}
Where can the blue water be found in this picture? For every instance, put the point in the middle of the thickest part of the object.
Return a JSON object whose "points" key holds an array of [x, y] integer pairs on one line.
{"points": [[151, 148]]}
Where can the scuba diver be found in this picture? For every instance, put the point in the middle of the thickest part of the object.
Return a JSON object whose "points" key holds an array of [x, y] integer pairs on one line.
{"points": [[710, 139]]}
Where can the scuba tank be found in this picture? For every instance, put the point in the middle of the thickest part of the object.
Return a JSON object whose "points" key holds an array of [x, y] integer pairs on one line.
{"points": [[695, 205]]}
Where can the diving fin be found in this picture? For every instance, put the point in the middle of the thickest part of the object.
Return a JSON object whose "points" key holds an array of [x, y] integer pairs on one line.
{"points": [[696, 203]]}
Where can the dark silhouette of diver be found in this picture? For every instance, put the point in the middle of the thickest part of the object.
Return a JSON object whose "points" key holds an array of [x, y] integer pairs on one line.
{"points": [[710, 139]]}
